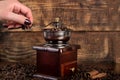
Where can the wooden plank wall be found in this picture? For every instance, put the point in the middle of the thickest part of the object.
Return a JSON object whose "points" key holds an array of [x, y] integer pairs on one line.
{"points": [[90, 15], [95, 25], [95, 46]]}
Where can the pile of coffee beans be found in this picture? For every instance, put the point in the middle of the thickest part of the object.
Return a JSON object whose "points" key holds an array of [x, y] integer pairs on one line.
{"points": [[82, 75], [16, 71], [20, 71], [59, 29], [56, 26], [53, 29], [105, 70]]}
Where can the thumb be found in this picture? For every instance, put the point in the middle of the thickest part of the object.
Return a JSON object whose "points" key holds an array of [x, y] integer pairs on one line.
{"points": [[16, 18]]}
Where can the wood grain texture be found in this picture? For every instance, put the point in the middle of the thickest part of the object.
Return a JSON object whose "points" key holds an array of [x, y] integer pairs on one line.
{"points": [[92, 15], [95, 46], [95, 24], [88, 15]]}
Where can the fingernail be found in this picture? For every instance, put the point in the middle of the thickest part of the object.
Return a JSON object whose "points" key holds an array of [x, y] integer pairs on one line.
{"points": [[27, 22], [5, 26], [23, 26]]}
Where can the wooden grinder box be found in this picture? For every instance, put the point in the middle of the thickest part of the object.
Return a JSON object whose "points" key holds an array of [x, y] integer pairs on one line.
{"points": [[56, 62]]}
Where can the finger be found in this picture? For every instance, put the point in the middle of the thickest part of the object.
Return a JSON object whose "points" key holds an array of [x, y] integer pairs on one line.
{"points": [[17, 25], [14, 26], [27, 12], [10, 26], [23, 10], [16, 18], [5, 25], [16, 9]]}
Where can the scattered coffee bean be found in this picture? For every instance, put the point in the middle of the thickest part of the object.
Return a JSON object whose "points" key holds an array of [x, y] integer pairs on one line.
{"points": [[20, 71]]}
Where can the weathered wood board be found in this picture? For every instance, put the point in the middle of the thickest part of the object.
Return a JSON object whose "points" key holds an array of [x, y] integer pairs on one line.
{"points": [[89, 15], [97, 19], [96, 46]]}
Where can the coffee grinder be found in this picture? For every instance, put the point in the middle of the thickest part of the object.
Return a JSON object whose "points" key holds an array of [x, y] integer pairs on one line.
{"points": [[56, 58]]}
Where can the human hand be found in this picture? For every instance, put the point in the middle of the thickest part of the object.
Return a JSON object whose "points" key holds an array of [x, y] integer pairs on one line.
{"points": [[15, 13]]}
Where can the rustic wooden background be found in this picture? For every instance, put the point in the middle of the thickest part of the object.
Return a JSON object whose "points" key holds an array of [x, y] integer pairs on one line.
{"points": [[88, 15], [95, 25]]}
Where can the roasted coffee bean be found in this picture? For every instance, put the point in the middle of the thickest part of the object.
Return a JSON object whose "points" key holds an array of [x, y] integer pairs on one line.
{"points": [[16, 72], [20, 71]]}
